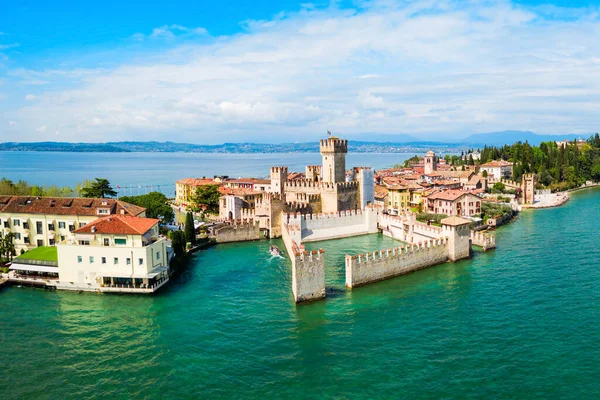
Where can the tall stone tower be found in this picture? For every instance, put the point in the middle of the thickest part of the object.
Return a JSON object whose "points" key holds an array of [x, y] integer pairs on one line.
{"points": [[278, 179], [457, 231], [528, 187], [430, 163], [334, 152]]}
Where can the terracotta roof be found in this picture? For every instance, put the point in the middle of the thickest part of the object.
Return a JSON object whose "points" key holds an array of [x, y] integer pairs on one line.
{"points": [[238, 191], [65, 206], [119, 224], [196, 181], [455, 221], [380, 191], [292, 176], [449, 195], [496, 164]]}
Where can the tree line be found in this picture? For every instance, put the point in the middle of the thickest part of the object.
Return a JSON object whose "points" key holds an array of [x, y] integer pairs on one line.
{"points": [[556, 167]]}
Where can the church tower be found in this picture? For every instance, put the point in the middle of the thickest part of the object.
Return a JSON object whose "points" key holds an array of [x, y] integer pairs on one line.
{"points": [[430, 163], [334, 152]]}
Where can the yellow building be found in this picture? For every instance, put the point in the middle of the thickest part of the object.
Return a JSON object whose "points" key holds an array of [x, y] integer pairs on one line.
{"points": [[398, 199], [186, 188]]}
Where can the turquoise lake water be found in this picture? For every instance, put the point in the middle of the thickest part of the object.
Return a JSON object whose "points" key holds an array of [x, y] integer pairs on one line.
{"points": [[519, 322]]}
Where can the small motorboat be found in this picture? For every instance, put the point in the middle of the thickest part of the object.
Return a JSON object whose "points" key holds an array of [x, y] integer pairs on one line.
{"points": [[274, 250]]}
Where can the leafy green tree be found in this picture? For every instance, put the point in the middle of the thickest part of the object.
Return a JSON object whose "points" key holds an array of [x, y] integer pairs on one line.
{"points": [[484, 174], [7, 246], [178, 242], [190, 231], [499, 187], [206, 198], [155, 203], [100, 188]]}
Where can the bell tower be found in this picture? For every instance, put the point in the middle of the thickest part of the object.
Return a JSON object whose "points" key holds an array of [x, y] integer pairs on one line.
{"points": [[334, 152], [429, 161]]}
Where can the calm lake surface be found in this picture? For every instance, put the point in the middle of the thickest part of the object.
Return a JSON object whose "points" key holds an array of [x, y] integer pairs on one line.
{"points": [[137, 173], [519, 322]]}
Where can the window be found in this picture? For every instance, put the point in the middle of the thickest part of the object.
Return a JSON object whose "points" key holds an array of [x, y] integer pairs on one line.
{"points": [[91, 259], [84, 242], [116, 261], [106, 241], [71, 228], [25, 225], [50, 227], [16, 222], [39, 227], [81, 224], [128, 261], [52, 242], [103, 211], [79, 259], [39, 243], [158, 255], [141, 261], [7, 224], [103, 260], [61, 225], [17, 236], [120, 242], [26, 240], [62, 238]]}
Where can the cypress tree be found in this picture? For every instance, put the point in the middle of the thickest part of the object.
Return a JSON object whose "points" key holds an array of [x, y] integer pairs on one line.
{"points": [[190, 232]]}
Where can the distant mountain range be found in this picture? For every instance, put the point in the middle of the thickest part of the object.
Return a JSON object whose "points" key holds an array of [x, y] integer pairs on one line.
{"points": [[377, 143]]}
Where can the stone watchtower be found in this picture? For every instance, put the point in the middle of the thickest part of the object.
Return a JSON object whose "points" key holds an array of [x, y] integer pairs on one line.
{"points": [[430, 162], [334, 152], [278, 179], [528, 187]]}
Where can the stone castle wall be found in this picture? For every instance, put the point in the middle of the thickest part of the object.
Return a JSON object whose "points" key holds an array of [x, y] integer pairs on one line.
{"points": [[317, 227], [308, 268], [385, 264], [237, 232]]}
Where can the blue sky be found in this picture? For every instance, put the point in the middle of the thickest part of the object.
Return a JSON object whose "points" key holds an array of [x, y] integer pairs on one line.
{"points": [[209, 72]]}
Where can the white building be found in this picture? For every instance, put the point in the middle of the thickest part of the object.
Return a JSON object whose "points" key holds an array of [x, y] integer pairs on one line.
{"points": [[114, 254], [497, 170], [45, 221]]}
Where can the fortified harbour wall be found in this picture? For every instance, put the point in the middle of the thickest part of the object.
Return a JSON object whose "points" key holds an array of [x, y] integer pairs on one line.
{"points": [[317, 227], [308, 268], [238, 231]]}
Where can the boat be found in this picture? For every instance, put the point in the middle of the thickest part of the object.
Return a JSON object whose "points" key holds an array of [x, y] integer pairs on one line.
{"points": [[274, 250]]}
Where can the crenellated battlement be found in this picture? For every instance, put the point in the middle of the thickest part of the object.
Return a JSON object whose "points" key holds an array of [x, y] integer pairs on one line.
{"points": [[304, 184], [399, 251], [333, 145], [485, 241], [279, 170], [374, 266]]}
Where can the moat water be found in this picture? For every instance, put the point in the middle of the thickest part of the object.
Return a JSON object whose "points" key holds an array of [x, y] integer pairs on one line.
{"points": [[519, 322]]}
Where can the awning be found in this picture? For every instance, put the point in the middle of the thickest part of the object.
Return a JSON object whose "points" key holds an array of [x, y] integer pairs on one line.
{"points": [[33, 268], [152, 274]]}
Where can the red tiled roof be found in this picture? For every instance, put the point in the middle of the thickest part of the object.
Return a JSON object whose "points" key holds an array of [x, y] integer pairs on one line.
{"points": [[196, 181], [449, 195], [496, 164], [119, 224], [65, 206]]}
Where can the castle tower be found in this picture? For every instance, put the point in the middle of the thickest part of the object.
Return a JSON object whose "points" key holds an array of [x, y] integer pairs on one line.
{"points": [[459, 241], [278, 179], [334, 152], [430, 162], [528, 187], [313, 172]]}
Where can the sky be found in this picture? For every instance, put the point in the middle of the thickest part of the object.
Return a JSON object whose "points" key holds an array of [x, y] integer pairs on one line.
{"points": [[285, 71]]}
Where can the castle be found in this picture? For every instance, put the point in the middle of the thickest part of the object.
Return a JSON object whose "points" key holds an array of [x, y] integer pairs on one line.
{"points": [[325, 188]]}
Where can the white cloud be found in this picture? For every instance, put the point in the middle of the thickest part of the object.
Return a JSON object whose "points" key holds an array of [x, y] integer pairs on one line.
{"points": [[9, 46], [170, 32], [415, 67], [41, 129], [29, 97], [12, 123]]}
